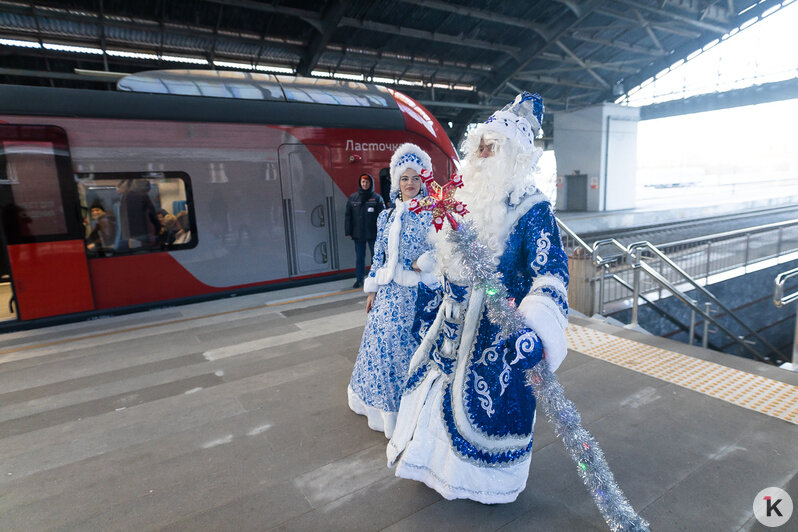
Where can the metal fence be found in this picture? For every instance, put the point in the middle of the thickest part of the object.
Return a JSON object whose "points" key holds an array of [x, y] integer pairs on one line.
{"points": [[702, 258]]}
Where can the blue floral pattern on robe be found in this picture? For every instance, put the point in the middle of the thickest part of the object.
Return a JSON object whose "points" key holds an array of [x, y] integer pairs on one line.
{"points": [[488, 384], [389, 339]]}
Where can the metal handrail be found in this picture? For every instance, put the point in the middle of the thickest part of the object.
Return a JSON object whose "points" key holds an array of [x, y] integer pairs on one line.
{"points": [[731, 234], [573, 235], [635, 261], [598, 244], [779, 299], [684, 298], [604, 264], [659, 309], [641, 266]]}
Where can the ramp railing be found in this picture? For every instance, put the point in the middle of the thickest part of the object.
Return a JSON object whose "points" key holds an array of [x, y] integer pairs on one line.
{"points": [[710, 258], [585, 277], [780, 300], [639, 251], [609, 272]]}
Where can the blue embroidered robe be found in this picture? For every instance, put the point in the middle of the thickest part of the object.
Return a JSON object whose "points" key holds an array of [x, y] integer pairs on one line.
{"points": [[380, 372], [467, 383]]}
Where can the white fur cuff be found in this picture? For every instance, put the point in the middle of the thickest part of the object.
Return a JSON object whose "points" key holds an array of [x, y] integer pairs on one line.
{"points": [[547, 324], [370, 285], [427, 263]]}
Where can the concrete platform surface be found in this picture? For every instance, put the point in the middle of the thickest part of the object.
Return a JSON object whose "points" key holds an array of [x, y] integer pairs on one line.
{"points": [[232, 415]]}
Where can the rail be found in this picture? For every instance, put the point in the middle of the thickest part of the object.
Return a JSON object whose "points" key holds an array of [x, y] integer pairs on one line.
{"points": [[674, 269], [581, 294], [636, 251], [780, 300], [610, 259], [719, 254]]}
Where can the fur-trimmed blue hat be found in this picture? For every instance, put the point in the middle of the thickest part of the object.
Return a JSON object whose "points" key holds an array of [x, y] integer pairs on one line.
{"points": [[408, 155], [519, 119]]}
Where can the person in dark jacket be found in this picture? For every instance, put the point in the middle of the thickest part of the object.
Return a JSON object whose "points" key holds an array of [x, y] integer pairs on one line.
{"points": [[362, 210], [137, 214]]}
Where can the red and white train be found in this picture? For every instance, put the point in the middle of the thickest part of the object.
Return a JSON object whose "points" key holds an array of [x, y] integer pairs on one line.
{"points": [[257, 169]]}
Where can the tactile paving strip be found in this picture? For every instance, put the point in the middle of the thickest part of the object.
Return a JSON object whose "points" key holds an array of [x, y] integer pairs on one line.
{"points": [[754, 392]]}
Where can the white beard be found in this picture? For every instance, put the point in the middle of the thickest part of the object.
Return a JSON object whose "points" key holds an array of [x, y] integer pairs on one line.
{"points": [[488, 185]]}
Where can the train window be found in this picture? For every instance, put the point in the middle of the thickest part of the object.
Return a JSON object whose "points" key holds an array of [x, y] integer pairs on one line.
{"points": [[257, 86], [143, 212], [31, 204], [333, 92], [217, 84]]}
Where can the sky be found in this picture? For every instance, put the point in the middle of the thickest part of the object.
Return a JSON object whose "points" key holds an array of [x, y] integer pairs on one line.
{"points": [[757, 143], [764, 52]]}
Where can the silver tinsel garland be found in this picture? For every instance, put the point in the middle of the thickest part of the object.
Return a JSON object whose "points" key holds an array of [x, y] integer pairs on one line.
{"points": [[477, 265]]}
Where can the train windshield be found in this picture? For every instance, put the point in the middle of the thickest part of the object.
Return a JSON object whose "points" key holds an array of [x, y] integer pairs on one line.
{"points": [[255, 86]]}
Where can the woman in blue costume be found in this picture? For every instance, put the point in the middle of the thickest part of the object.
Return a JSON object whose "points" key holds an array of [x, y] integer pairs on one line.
{"points": [[402, 260], [466, 418]]}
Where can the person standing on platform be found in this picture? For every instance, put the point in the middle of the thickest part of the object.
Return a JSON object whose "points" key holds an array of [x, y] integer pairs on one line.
{"points": [[401, 277], [362, 210], [466, 417]]}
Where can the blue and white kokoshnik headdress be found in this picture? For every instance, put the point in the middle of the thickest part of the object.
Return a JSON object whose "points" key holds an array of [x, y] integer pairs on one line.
{"points": [[408, 155], [519, 120]]}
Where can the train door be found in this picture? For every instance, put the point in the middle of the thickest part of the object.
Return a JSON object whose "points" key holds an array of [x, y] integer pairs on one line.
{"points": [[307, 188], [41, 223]]}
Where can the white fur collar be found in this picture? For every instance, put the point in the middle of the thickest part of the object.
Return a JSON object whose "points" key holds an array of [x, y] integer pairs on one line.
{"points": [[446, 254]]}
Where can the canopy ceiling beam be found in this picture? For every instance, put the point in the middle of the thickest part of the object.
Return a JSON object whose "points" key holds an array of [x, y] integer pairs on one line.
{"points": [[501, 76], [311, 17], [634, 48], [582, 64], [660, 26], [491, 16], [700, 24], [551, 80], [648, 29], [428, 35], [329, 22], [614, 66]]}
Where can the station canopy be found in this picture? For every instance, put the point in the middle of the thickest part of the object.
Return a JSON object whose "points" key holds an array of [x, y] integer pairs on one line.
{"points": [[460, 58]]}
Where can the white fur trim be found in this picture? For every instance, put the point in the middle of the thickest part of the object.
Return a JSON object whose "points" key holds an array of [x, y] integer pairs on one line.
{"points": [[377, 419], [430, 279], [392, 270], [428, 457], [427, 263], [542, 316], [550, 281], [409, 409], [397, 166], [386, 273], [370, 285], [536, 299]]}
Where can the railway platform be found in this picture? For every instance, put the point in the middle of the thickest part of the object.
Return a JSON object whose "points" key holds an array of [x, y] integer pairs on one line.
{"points": [[232, 415], [679, 214]]}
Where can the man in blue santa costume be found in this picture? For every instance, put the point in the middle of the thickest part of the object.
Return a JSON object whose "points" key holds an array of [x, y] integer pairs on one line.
{"points": [[465, 421]]}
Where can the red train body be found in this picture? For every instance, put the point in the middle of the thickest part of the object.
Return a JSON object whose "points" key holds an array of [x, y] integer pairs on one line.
{"points": [[254, 189]]}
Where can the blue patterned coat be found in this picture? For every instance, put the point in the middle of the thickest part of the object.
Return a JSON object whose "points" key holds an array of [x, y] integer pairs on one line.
{"points": [[380, 372], [486, 408]]}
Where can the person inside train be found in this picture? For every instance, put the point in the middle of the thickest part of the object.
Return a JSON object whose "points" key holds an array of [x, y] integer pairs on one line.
{"points": [[183, 235], [101, 239], [360, 223], [169, 228], [400, 277], [137, 215]]}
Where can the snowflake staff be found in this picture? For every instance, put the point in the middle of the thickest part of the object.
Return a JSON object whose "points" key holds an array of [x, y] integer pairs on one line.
{"points": [[440, 200]]}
